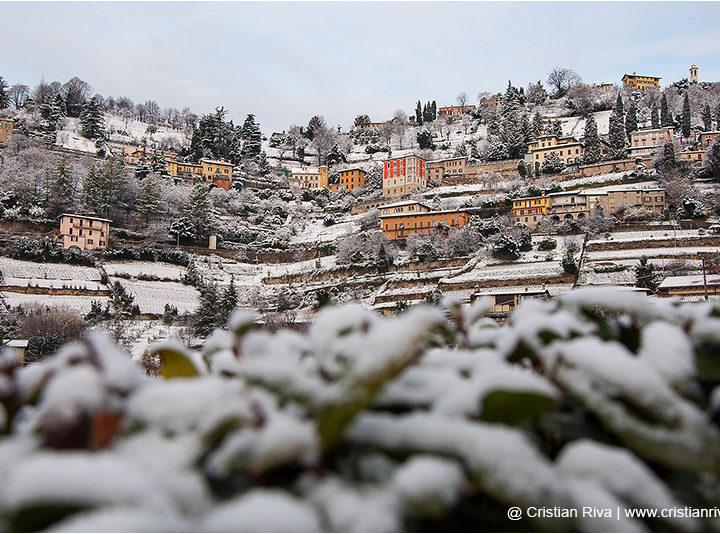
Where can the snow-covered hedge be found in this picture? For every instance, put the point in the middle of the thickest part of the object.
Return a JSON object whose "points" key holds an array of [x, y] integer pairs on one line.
{"points": [[437, 419]]}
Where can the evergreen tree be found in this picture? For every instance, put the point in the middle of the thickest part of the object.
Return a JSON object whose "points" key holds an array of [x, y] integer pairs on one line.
{"points": [[557, 128], [157, 163], [62, 190], [316, 123], [668, 160], [707, 117], [665, 117], [102, 187], [197, 210], [631, 122], [263, 165], [215, 138], [713, 164], [227, 303], [717, 117], [182, 230], [646, 274], [418, 114], [593, 150], [4, 95], [425, 140], [427, 112], [552, 164], [686, 118], [537, 125], [654, 116], [251, 137], [616, 137], [205, 317], [92, 120], [433, 110], [55, 112], [150, 197], [619, 106]]}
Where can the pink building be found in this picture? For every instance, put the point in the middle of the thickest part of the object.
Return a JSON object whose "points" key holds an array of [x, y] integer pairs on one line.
{"points": [[86, 233], [402, 176]]}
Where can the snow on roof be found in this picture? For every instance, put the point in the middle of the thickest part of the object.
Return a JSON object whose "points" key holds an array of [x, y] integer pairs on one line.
{"points": [[17, 343], [689, 281], [216, 162], [550, 289], [305, 170], [89, 217], [404, 203], [407, 214]]}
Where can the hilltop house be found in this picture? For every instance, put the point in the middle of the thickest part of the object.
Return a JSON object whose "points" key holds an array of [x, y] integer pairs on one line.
{"points": [[634, 81], [86, 233], [409, 206], [404, 175], [454, 111]]}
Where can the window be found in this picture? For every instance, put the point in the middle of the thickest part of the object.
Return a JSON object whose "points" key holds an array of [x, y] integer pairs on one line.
{"points": [[90, 241], [74, 238]]}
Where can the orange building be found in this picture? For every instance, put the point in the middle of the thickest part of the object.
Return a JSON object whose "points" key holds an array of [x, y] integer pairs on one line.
{"points": [[640, 82], [6, 128], [349, 179], [309, 177], [401, 225], [454, 111], [86, 233], [404, 175], [217, 173]]}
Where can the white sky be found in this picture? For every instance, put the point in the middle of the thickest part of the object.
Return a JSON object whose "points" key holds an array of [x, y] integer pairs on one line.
{"points": [[287, 61]]}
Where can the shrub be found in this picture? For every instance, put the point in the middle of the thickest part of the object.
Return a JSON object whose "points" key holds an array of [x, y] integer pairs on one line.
{"points": [[46, 328], [547, 244]]}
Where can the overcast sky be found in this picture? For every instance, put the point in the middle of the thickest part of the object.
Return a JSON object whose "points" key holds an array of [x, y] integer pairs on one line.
{"points": [[287, 61]]}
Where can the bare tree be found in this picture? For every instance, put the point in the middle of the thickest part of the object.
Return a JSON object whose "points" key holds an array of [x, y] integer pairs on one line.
{"points": [[562, 79], [462, 100], [18, 93]]}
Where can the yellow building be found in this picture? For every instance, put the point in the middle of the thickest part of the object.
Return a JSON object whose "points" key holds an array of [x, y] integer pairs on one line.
{"points": [[437, 170], [567, 148], [634, 81], [530, 210], [309, 177], [218, 173], [6, 128]]}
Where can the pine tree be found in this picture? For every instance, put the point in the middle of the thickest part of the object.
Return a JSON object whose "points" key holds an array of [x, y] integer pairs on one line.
{"points": [[4, 96], [62, 190], [251, 137], [619, 105], [616, 137], [197, 210], [557, 128], [593, 150], [150, 197], [102, 187], [668, 161], [205, 317], [655, 117], [433, 110], [92, 120], [263, 165], [714, 160], [55, 112], [717, 117], [686, 118], [707, 117], [552, 164], [227, 304], [157, 163], [631, 123], [537, 125], [665, 117], [418, 114], [646, 275]]}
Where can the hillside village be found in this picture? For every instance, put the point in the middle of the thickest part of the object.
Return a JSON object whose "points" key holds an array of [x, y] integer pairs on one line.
{"points": [[150, 222]]}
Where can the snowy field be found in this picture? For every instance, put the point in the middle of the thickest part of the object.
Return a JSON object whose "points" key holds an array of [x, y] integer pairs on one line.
{"points": [[649, 252], [151, 297], [81, 304], [58, 271], [316, 232], [137, 268]]}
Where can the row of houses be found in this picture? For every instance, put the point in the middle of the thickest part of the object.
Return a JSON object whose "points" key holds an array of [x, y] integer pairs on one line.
{"points": [[216, 173], [310, 178], [576, 205]]}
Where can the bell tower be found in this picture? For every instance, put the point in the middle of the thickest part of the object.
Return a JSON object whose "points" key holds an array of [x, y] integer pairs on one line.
{"points": [[694, 74]]}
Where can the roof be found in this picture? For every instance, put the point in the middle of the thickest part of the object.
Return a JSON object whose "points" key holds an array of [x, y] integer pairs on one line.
{"points": [[689, 281], [89, 217], [636, 75], [17, 343], [404, 203], [216, 162], [529, 198], [512, 291], [305, 170], [423, 213], [403, 157]]}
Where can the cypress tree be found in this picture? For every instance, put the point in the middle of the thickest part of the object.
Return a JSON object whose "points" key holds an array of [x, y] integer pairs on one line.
{"points": [[593, 150], [631, 123], [619, 105], [616, 137], [557, 128], [62, 190], [418, 114], [707, 117], [4, 96], [665, 117], [655, 117], [668, 160], [686, 117], [434, 110]]}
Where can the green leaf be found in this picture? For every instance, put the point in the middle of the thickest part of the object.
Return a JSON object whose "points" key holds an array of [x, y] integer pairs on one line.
{"points": [[176, 363], [514, 407]]}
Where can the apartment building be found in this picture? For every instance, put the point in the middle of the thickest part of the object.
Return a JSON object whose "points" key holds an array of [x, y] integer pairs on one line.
{"points": [[349, 179], [439, 169], [309, 177], [635, 81], [401, 225], [6, 129], [646, 141], [217, 173], [568, 148], [530, 210], [404, 175], [409, 206], [86, 233]]}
